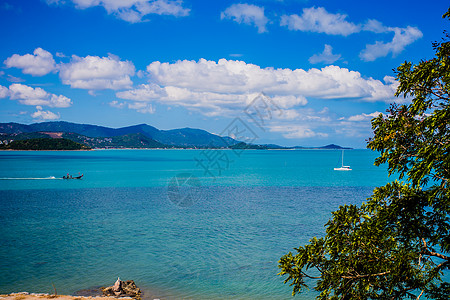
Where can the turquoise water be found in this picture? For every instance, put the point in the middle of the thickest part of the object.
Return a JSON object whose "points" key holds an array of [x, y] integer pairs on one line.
{"points": [[118, 220]]}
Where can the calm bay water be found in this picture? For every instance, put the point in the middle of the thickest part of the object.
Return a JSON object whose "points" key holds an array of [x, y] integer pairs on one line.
{"points": [[118, 220]]}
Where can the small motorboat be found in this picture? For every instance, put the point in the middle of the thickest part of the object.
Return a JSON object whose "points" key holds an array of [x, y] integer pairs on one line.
{"points": [[73, 177]]}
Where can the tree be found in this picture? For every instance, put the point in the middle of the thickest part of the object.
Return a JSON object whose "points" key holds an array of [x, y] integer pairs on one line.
{"points": [[396, 244]]}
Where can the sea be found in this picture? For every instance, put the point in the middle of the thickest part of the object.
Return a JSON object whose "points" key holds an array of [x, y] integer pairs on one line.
{"points": [[183, 224]]}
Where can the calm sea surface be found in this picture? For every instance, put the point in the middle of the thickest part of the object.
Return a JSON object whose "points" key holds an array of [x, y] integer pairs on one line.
{"points": [[185, 224]]}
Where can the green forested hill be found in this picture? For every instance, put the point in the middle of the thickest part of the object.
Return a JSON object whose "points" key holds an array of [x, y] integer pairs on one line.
{"points": [[136, 140], [44, 144]]}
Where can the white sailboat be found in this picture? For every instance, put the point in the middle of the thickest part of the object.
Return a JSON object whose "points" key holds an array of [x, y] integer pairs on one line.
{"points": [[343, 168]]}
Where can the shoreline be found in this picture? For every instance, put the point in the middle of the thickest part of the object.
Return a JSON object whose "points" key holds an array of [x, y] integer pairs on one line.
{"points": [[199, 149], [40, 296], [45, 296]]}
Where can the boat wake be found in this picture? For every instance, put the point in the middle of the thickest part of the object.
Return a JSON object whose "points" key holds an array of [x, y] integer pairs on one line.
{"points": [[30, 178]]}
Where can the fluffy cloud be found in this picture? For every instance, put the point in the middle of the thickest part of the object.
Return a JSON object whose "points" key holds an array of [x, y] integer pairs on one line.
{"points": [[326, 56], [402, 38], [117, 104], [319, 20], [39, 63], [296, 131], [237, 77], [4, 92], [142, 107], [208, 103], [44, 115], [364, 117], [248, 14], [37, 96], [227, 87], [90, 72], [133, 11], [374, 26], [97, 73], [14, 79]]}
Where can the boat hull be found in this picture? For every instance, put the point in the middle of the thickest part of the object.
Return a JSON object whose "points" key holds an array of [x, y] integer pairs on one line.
{"points": [[343, 169]]}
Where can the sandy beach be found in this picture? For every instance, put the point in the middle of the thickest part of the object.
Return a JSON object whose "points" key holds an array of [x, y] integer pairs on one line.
{"points": [[33, 296]]}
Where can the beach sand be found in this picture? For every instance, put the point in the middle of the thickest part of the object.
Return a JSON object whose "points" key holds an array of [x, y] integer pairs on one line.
{"points": [[32, 296]]}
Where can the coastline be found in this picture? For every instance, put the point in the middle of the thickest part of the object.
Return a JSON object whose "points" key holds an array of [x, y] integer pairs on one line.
{"points": [[107, 149], [41, 296]]}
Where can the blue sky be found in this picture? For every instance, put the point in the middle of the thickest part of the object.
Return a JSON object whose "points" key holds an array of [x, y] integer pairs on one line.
{"points": [[324, 66]]}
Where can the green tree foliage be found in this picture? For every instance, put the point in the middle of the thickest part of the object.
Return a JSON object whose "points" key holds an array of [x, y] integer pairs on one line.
{"points": [[396, 245], [44, 144]]}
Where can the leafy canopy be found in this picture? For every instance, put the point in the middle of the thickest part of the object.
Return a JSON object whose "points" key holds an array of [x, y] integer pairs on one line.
{"points": [[395, 245]]}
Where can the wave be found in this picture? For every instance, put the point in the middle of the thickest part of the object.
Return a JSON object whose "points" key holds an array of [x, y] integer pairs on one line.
{"points": [[30, 178]]}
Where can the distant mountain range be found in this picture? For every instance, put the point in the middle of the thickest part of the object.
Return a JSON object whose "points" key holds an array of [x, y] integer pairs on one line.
{"points": [[137, 136]]}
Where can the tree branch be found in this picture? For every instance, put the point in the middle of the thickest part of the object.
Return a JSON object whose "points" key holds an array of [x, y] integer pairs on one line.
{"points": [[439, 255], [311, 277], [365, 275]]}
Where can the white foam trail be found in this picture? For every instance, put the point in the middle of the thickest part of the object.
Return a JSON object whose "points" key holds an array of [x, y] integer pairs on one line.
{"points": [[30, 178]]}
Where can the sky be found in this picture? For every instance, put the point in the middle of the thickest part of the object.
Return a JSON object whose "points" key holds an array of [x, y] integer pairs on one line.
{"points": [[295, 72]]}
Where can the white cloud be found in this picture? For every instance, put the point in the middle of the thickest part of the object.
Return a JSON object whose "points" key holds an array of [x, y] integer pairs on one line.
{"points": [[364, 117], [227, 87], [14, 79], [289, 100], [117, 104], [286, 114], [296, 131], [4, 92], [326, 56], [44, 114], [145, 92], [97, 73], [133, 11], [142, 107], [231, 77], [248, 14], [36, 96], [402, 38], [375, 26], [319, 20], [39, 63], [208, 103]]}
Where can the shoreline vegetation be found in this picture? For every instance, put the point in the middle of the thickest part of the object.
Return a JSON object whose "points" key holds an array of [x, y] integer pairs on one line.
{"points": [[44, 144], [58, 141]]}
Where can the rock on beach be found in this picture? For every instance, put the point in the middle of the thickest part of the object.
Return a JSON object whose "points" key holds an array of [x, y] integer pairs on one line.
{"points": [[123, 289]]}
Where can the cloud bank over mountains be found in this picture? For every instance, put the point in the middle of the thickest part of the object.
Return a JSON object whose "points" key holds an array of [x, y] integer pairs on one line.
{"points": [[212, 88], [206, 83]]}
